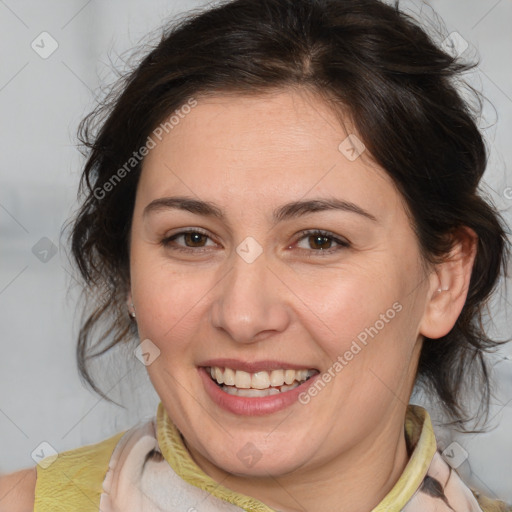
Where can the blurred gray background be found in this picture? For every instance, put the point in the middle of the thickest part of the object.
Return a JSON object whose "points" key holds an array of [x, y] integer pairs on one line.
{"points": [[54, 57]]}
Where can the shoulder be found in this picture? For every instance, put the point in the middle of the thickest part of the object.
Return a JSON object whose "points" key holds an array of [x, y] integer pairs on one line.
{"points": [[17, 491], [67, 479], [73, 479]]}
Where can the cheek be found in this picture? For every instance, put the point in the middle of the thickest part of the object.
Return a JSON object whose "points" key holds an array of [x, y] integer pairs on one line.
{"points": [[169, 303], [369, 320], [347, 305]]}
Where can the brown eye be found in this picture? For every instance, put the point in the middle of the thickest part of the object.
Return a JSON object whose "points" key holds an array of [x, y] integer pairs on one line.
{"points": [[187, 241], [194, 239], [321, 242]]}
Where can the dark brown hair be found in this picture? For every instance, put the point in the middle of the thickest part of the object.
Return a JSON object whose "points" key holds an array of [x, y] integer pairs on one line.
{"points": [[365, 58]]}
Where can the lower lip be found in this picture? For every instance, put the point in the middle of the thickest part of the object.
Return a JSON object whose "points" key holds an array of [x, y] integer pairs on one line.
{"points": [[252, 406]]}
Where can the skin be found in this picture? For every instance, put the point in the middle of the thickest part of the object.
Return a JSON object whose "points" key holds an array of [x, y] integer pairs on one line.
{"points": [[17, 491], [296, 302]]}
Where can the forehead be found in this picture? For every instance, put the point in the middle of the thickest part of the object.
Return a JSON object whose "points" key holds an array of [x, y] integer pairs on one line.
{"points": [[288, 122], [257, 149]]}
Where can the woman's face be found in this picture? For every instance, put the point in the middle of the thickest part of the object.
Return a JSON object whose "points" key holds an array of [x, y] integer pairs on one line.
{"points": [[264, 248]]}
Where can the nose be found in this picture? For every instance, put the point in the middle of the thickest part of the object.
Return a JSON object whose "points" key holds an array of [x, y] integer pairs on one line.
{"points": [[249, 304]]}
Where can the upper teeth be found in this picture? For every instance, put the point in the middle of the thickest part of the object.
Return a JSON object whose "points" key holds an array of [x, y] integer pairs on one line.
{"points": [[258, 380]]}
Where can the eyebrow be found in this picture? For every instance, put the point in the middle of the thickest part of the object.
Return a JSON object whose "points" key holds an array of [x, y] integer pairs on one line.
{"points": [[288, 211]]}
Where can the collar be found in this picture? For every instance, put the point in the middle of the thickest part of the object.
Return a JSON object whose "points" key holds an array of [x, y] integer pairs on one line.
{"points": [[419, 437]]}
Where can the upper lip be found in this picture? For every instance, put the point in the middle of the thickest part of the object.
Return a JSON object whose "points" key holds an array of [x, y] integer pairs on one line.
{"points": [[254, 366]]}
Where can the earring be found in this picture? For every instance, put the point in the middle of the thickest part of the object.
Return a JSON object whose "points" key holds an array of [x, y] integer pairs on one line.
{"points": [[131, 311], [439, 290]]}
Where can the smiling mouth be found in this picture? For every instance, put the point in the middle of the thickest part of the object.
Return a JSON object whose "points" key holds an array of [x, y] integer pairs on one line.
{"points": [[259, 384]]}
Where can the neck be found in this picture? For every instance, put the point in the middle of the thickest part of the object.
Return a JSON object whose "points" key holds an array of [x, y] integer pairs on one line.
{"points": [[359, 479]]}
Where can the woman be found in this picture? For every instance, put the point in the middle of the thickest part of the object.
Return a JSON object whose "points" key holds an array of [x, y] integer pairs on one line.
{"points": [[284, 198]]}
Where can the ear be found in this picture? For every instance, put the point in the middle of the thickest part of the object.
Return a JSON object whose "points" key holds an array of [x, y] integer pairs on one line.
{"points": [[449, 285], [129, 303]]}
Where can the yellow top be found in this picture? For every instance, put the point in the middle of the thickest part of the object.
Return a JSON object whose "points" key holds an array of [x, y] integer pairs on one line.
{"points": [[74, 480]]}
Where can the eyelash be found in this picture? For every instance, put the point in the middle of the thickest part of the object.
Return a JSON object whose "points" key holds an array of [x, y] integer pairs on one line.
{"points": [[342, 244]]}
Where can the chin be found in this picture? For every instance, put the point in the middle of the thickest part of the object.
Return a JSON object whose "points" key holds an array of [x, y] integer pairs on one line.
{"points": [[251, 462]]}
